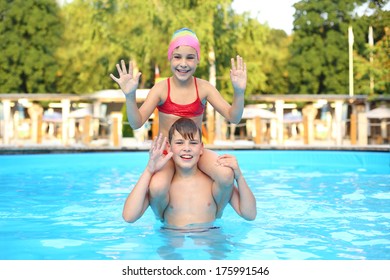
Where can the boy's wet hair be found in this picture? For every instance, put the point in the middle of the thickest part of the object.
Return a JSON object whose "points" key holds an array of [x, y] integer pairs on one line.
{"points": [[186, 127]]}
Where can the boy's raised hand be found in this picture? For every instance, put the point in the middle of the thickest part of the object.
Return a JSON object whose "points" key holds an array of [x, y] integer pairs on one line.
{"points": [[127, 81], [238, 75], [157, 158]]}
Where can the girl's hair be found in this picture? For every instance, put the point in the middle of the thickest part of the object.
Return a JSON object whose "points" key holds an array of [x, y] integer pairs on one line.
{"points": [[184, 37], [186, 127]]}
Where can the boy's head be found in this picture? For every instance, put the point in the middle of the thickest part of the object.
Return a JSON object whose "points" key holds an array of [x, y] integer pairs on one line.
{"points": [[186, 128], [184, 37], [185, 143]]}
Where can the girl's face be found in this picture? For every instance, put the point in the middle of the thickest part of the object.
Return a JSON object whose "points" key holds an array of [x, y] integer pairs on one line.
{"points": [[184, 62]]}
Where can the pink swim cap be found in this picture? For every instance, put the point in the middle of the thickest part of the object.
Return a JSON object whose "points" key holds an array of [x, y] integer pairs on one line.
{"points": [[184, 37]]}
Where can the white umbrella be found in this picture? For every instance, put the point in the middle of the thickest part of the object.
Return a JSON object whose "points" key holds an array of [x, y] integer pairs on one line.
{"points": [[379, 113], [292, 117], [252, 112], [51, 116], [80, 113]]}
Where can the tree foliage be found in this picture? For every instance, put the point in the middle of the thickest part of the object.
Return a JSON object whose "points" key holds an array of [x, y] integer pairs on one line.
{"points": [[30, 33], [372, 63], [319, 51], [74, 48]]}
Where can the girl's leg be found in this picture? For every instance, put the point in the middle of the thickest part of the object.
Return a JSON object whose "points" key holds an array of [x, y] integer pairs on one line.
{"points": [[159, 189], [222, 176]]}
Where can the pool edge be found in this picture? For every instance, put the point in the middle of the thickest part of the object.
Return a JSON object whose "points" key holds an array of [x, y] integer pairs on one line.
{"points": [[8, 150]]}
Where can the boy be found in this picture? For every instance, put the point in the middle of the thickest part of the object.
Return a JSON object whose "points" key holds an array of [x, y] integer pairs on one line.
{"points": [[193, 197]]}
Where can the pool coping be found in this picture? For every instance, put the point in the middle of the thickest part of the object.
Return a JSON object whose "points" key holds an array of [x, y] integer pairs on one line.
{"points": [[14, 150]]}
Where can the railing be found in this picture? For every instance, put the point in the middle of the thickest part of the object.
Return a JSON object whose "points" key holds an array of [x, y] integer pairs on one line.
{"points": [[96, 129]]}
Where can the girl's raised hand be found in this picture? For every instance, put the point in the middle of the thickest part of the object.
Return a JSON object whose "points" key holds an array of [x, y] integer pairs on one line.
{"points": [[238, 75], [127, 81]]}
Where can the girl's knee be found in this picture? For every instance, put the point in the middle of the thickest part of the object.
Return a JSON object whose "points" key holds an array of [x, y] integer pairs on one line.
{"points": [[220, 174], [224, 176]]}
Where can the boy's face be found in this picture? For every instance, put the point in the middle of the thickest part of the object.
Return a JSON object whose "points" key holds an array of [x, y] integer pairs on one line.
{"points": [[186, 152], [184, 62]]}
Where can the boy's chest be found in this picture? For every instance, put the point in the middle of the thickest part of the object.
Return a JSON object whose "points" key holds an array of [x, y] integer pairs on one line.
{"points": [[191, 194]]}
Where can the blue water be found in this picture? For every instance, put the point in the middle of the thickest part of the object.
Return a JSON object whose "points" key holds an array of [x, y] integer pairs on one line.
{"points": [[322, 205]]}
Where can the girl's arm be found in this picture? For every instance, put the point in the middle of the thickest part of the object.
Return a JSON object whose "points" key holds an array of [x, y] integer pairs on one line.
{"points": [[128, 82], [243, 201], [138, 200], [238, 78]]}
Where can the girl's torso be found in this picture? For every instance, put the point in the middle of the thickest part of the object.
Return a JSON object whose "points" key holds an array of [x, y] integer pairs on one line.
{"points": [[165, 122], [180, 102]]}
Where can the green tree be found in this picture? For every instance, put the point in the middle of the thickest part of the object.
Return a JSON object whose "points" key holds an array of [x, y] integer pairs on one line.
{"points": [[372, 63], [382, 64], [276, 58], [101, 32], [30, 33], [224, 43], [134, 30], [319, 51], [88, 47]]}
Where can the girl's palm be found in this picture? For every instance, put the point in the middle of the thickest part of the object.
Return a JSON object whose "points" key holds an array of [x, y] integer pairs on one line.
{"points": [[127, 81], [238, 74]]}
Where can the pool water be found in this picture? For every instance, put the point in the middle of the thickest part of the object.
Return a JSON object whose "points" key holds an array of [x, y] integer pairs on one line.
{"points": [[319, 205]]}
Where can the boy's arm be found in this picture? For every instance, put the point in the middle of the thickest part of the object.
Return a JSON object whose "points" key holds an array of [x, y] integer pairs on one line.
{"points": [[138, 200], [243, 201]]}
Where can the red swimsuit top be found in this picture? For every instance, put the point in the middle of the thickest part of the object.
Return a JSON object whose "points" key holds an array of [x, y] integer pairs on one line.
{"points": [[193, 109]]}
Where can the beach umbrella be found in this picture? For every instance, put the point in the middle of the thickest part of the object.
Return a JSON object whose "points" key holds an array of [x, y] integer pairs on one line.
{"points": [[80, 113], [292, 117], [52, 116], [252, 112], [379, 113]]}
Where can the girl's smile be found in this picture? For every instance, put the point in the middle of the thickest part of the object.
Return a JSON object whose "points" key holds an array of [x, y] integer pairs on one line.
{"points": [[184, 61]]}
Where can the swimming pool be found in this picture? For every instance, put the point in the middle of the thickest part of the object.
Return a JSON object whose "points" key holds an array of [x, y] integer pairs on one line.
{"points": [[325, 205]]}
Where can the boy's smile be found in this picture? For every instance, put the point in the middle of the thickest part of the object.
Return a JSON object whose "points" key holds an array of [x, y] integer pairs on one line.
{"points": [[186, 151], [186, 157]]}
